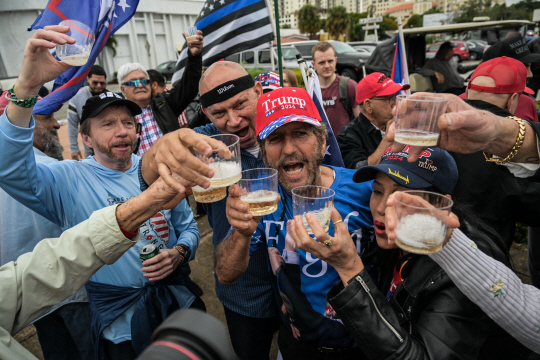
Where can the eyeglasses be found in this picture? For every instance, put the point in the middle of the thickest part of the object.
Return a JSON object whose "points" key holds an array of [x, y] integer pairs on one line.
{"points": [[135, 83], [102, 83], [389, 98]]}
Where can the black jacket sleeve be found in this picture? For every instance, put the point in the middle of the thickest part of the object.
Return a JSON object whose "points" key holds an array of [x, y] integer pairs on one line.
{"points": [[448, 327], [187, 88], [355, 146]]}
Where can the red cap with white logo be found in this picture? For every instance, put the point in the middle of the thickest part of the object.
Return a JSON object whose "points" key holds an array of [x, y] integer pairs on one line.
{"points": [[377, 84], [282, 106]]}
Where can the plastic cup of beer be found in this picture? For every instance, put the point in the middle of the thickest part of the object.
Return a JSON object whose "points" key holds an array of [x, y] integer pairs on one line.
{"points": [[315, 200], [76, 54], [225, 161], [416, 119], [421, 221], [259, 189], [191, 33]]}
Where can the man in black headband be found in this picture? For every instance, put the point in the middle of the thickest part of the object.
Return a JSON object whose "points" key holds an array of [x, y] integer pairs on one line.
{"points": [[229, 98]]}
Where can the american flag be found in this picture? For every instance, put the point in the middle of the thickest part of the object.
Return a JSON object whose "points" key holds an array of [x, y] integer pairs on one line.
{"points": [[400, 71], [160, 226], [103, 17], [229, 27]]}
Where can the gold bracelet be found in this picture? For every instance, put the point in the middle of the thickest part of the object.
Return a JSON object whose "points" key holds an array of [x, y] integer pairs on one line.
{"points": [[517, 145]]}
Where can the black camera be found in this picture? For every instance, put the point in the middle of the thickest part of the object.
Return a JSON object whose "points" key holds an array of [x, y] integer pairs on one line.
{"points": [[191, 335]]}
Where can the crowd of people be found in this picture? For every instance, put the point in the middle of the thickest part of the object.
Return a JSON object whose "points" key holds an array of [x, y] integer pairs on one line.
{"points": [[346, 293]]}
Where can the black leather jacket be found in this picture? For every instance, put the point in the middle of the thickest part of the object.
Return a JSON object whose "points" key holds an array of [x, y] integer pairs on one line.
{"points": [[168, 105], [426, 318]]}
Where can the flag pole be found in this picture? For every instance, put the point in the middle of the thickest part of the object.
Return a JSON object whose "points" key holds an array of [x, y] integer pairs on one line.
{"points": [[278, 35], [403, 53]]}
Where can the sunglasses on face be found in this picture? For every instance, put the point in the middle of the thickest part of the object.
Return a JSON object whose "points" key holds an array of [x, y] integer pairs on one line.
{"points": [[102, 83], [135, 83]]}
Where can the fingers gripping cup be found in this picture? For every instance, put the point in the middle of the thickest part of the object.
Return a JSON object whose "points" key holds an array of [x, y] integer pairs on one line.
{"points": [[76, 54], [416, 119], [421, 221], [315, 200], [259, 189], [225, 162]]}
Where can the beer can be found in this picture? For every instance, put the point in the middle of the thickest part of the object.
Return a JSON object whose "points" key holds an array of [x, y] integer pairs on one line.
{"points": [[148, 252]]}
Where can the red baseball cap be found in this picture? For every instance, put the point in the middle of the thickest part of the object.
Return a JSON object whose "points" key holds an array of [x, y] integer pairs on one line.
{"points": [[510, 76], [282, 106], [377, 84]]}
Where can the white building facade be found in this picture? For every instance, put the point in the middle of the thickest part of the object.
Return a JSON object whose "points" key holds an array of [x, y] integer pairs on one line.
{"points": [[151, 37]]}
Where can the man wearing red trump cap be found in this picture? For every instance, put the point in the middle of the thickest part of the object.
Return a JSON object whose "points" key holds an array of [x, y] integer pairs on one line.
{"points": [[292, 140], [498, 193], [362, 141], [500, 82]]}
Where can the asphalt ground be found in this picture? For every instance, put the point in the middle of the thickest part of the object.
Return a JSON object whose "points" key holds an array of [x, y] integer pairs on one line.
{"points": [[203, 265]]}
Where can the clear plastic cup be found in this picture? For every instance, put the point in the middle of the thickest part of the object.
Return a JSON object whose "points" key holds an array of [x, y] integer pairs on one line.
{"points": [[421, 222], [416, 119], [259, 189], [315, 200], [76, 54], [227, 169], [191, 33]]}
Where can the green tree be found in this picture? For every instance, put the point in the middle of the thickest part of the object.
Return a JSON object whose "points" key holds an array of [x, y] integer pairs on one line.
{"points": [[414, 21], [285, 26], [356, 33], [309, 20], [388, 23], [112, 43], [337, 22], [433, 10]]}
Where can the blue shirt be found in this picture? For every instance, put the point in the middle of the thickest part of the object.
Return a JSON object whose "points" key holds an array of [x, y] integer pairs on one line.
{"points": [[301, 280], [68, 192], [251, 294], [21, 228]]}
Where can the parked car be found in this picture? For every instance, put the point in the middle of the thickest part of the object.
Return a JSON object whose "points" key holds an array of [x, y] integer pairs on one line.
{"points": [[256, 58], [167, 69], [476, 51], [461, 51], [364, 46], [349, 61]]}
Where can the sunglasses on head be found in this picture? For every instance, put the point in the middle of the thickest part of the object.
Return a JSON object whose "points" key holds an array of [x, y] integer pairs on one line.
{"points": [[135, 83], [98, 82]]}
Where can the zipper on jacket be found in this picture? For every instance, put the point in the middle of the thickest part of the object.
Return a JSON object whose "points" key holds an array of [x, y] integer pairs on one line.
{"points": [[366, 288], [410, 319]]}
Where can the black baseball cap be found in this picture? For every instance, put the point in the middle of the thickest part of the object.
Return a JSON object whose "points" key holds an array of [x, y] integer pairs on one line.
{"points": [[96, 104], [434, 168], [514, 47]]}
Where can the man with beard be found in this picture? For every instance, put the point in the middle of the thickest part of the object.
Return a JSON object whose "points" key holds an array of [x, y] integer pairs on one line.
{"points": [[249, 306], [292, 140], [97, 82], [68, 192]]}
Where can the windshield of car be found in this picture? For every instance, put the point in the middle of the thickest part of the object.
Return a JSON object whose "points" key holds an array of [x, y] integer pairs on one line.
{"points": [[163, 65], [342, 48], [365, 48], [289, 53]]}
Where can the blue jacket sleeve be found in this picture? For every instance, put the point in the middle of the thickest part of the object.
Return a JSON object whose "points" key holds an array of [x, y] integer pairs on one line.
{"points": [[185, 227], [42, 188]]}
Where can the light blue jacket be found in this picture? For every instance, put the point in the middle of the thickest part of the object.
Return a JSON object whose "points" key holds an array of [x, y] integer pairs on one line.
{"points": [[68, 192]]}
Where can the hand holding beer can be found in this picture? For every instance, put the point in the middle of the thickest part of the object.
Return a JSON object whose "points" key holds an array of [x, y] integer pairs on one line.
{"points": [[148, 252]]}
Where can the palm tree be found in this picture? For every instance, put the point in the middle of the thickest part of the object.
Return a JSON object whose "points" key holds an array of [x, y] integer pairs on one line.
{"points": [[337, 21], [309, 20]]}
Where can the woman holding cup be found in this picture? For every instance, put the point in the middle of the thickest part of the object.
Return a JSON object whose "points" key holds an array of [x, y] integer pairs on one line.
{"points": [[407, 307]]}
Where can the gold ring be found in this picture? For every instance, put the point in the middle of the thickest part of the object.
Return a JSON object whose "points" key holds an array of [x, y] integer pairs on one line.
{"points": [[337, 222], [328, 243]]}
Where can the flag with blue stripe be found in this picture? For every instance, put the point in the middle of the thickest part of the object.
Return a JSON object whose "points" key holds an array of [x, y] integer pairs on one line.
{"points": [[332, 155], [400, 71], [229, 27], [104, 17]]}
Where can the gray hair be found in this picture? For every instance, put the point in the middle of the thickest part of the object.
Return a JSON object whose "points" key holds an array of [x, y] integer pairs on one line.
{"points": [[128, 68]]}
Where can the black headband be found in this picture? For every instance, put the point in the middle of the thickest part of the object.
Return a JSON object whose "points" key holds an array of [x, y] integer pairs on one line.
{"points": [[226, 90]]}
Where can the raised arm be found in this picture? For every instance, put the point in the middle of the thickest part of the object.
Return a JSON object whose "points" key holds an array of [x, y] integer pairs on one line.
{"points": [[232, 254]]}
